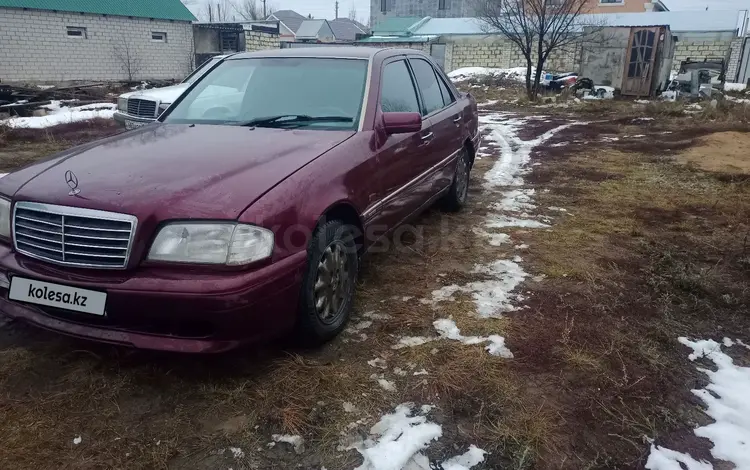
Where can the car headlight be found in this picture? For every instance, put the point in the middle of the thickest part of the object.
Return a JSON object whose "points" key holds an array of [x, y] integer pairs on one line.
{"points": [[211, 243], [122, 104], [4, 218], [163, 107]]}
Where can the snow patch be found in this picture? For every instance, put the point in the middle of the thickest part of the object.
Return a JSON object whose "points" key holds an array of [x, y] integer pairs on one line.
{"points": [[492, 297], [447, 329], [726, 402], [494, 239], [396, 442], [662, 458], [62, 115], [77, 440], [378, 363], [734, 86], [297, 442], [385, 384], [502, 221], [237, 453], [465, 73]]}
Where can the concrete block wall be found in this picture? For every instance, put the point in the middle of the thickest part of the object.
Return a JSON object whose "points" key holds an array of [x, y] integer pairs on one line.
{"points": [[420, 46], [35, 47], [501, 53], [261, 40], [699, 50], [735, 56]]}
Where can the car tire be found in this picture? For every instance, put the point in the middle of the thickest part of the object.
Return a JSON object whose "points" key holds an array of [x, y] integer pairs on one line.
{"points": [[456, 197], [327, 295]]}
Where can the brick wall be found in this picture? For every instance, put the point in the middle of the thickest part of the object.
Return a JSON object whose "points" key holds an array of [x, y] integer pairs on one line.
{"points": [[34, 46], [497, 52], [735, 55], [698, 49], [500, 53], [260, 40], [420, 46]]}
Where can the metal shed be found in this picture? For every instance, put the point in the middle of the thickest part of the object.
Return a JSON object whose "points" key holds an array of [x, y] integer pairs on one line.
{"points": [[637, 60]]}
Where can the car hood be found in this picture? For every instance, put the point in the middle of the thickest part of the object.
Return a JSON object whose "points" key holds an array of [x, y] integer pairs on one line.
{"points": [[164, 171], [165, 94]]}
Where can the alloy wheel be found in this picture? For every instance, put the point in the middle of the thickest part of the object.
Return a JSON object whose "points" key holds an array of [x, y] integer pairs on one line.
{"points": [[462, 178], [332, 283]]}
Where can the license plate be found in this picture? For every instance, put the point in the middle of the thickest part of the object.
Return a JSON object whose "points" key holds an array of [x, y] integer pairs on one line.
{"points": [[56, 295], [134, 124]]}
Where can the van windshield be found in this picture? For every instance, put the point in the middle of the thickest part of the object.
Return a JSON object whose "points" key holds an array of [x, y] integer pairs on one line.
{"points": [[317, 93]]}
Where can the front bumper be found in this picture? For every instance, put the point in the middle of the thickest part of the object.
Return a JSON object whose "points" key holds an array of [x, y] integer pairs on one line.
{"points": [[125, 118], [186, 310]]}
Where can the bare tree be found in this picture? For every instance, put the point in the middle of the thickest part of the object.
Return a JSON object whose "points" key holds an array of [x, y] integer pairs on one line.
{"points": [[127, 56], [353, 12], [248, 10], [538, 28]]}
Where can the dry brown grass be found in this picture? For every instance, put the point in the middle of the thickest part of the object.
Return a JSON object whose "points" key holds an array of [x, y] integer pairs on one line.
{"points": [[650, 250]]}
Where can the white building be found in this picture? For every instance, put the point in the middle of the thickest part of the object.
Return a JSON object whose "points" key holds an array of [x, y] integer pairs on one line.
{"points": [[101, 40]]}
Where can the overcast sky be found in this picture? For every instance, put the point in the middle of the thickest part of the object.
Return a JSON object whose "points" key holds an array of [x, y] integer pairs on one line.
{"points": [[711, 4]]}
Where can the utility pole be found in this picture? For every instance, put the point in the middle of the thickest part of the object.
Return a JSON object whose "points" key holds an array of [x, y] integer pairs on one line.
{"points": [[337, 9], [265, 14], [210, 13], [218, 12]]}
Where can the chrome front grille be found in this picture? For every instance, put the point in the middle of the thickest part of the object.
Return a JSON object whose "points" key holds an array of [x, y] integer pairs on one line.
{"points": [[142, 108], [73, 236]]}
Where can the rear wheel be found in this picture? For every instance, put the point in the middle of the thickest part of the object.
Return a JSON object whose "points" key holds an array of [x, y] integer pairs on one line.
{"points": [[455, 199], [328, 285]]}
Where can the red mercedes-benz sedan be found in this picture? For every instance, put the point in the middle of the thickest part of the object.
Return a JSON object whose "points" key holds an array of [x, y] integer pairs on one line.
{"points": [[242, 213]]}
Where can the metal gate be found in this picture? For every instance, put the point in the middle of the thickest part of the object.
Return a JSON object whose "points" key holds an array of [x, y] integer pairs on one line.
{"points": [[639, 67]]}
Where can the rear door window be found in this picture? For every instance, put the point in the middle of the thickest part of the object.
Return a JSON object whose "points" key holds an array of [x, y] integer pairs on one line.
{"points": [[428, 85], [445, 91]]}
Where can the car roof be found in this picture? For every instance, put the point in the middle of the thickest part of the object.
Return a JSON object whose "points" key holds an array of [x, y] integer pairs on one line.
{"points": [[353, 52]]}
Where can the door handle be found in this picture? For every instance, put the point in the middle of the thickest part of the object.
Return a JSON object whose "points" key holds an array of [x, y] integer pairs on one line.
{"points": [[428, 136], [457, 119]]}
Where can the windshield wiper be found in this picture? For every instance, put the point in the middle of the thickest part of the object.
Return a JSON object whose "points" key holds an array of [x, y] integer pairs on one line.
{"points": [[291, 119]]}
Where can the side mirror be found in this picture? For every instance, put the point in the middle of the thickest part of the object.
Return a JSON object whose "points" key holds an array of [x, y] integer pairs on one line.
{"points": [[402, 123]]}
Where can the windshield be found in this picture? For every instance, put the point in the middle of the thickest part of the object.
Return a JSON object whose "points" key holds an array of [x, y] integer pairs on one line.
{"points": [[200, 70], [318, 93]]}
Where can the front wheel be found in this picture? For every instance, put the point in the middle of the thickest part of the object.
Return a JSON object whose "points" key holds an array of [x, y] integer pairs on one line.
{"points": [[455, 199], [328, 285]]}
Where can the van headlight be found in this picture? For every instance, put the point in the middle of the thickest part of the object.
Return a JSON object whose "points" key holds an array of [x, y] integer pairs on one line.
{"points": [[226, 243], [4, 218], [122, 104]]}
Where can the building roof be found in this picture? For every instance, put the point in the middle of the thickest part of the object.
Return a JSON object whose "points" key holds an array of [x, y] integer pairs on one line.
{"points": [[309, 29], [345, 29], [162, 9], [680, 5], [678, 21], [448, 26], [290, 18], [396, 25]]}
